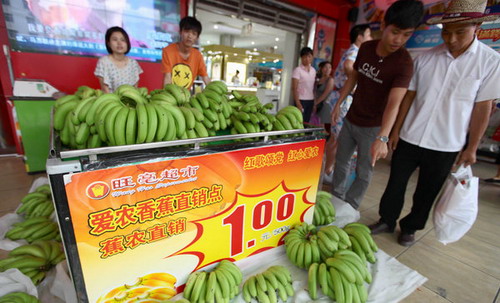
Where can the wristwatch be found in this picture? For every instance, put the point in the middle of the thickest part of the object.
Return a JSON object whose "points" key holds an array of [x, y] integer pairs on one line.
{"points": [[384, 139]]}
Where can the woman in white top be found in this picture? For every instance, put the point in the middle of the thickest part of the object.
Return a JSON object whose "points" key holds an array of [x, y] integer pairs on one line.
{"points": [[116, 68]]}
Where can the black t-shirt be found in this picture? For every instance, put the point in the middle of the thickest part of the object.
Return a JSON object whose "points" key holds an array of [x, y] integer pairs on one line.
{"points": [[376, 77]]}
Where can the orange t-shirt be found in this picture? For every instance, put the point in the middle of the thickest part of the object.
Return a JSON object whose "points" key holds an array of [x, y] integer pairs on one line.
{"points": [[183, 71]]}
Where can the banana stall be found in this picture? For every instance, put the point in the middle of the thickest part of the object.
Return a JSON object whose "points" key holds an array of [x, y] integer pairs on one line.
{"points": [[156, 185]]}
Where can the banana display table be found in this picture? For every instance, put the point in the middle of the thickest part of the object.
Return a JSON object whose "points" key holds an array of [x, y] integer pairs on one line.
{"points": [[135, 213]]}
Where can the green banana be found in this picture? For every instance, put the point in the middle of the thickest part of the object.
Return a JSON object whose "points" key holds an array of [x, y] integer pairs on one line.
{"points": [[190, 284], [176, 91], [131, 127], [312, 281], [77, 115], [189, 117], [83, 133], [200, 283], [179, 119], [162, 122], [99, 103], [120, 126], [142, 123], [61, 113], [101, 120], [203, 100], [171, 129], [337, 283], [152, 122], [109, 124]]}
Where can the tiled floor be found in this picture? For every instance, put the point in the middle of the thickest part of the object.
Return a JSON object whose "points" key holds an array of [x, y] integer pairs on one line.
{"points": [[465, 271]]}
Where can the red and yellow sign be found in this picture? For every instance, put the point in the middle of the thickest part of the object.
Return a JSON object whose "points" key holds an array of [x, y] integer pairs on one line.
{"points": [[177, 216]]}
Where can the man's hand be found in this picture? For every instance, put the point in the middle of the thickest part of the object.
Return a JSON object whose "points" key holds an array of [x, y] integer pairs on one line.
{"points": [[467, 157], [378, 150], [299, 106], [393, 140], [336, 115]]}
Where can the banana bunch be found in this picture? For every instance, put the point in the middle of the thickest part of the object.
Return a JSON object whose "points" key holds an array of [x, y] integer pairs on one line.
{"points": [[362, 241], [267, 286], [37, 203], [302, 247], [214, 105], [34, 228], [84, 92], [250, 116], [324, 212], [219, 285], [155, 287], [288, 118], [18, 297], [341, 278], [35, 259], [330, 239]]}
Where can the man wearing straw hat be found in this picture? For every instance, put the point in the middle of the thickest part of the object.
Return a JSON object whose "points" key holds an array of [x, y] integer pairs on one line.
{"points": [[450, 94]]}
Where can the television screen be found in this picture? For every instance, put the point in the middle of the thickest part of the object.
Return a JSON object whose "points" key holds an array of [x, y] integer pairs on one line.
{"points": [[77, 27]]}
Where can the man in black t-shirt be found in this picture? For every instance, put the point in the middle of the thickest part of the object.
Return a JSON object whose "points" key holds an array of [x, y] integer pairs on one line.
{"points": [[382, 72]]}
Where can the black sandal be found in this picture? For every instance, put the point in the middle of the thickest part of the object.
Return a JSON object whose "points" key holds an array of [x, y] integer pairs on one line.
{"points": [[492, 180]]}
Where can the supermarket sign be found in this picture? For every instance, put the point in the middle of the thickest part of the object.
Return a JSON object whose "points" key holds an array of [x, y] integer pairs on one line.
{"points": [[175, 216]]}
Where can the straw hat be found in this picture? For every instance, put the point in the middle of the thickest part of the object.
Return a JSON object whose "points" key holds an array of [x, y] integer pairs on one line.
{"points": [[464, 11]]}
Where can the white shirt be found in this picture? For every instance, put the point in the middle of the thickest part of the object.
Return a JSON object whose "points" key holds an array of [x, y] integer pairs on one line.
{"points": [[114, 76], [446, 90]]}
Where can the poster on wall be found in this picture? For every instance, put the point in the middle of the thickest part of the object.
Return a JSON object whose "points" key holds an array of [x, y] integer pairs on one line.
{"points": [[489, 34], [324, 40], [162, 220], [71, 27]]}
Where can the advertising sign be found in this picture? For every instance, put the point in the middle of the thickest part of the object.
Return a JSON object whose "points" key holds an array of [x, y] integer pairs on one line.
{"points": [[324, 40], [141, 229], [72, 27]]}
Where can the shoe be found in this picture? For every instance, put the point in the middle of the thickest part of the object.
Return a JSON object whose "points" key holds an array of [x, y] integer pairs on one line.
{"points": [[406, 239], [492, 180], [380, 227]]}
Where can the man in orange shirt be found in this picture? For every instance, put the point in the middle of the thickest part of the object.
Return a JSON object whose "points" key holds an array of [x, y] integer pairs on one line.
{"points": [[181, 63]]}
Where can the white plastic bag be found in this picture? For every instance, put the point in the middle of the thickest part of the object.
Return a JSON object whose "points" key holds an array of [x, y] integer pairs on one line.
{"points": [[12, 280], [456, 209]]}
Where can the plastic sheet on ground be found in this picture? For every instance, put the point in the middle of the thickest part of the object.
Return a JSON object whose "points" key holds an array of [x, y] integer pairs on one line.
{"points": [[392, 280], [12, 280]]}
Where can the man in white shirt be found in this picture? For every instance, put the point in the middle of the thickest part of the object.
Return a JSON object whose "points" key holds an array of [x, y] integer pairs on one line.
{"points": [[449, 96]]}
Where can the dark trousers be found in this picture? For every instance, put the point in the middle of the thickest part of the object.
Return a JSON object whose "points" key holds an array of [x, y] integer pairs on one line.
{"points": [[434, 169], [308, 109]]}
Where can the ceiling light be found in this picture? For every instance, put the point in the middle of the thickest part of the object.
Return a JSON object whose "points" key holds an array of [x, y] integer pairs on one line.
{"points": [[275, 47], [208, 41], [253, 42], [254, 49], [277, 39], [216, 26]]}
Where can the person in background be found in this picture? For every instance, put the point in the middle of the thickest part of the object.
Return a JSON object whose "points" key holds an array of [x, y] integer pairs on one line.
{"points": [[236, 79], [382, 72], [116, 68], [303, 79], [449, 96], [359, 33], [180, 62], [323, 94], [496, 178]]}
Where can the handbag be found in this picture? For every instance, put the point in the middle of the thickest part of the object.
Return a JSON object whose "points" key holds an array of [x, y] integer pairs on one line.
{"points": [[456, 209]]}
